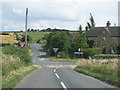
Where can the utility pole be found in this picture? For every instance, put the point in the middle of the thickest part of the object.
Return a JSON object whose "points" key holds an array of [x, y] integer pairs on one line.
{"points": [[26, 26]]}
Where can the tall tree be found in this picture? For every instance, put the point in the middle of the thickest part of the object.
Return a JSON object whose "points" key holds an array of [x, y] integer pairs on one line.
{"points": [[88, 24], [80, 28], [92, 22]]}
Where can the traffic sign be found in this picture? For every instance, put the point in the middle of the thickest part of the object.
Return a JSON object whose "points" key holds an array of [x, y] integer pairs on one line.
{"points": [[55, 49], [22, 43], [78, 52]]}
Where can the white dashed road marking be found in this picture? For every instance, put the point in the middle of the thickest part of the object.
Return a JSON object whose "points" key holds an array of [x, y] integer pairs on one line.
{"points": [[63, 85], [57, 75]]}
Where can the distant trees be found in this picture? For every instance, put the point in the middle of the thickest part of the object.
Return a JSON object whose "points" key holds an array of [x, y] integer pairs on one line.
{"points": [[92, 22], [80, 28]]}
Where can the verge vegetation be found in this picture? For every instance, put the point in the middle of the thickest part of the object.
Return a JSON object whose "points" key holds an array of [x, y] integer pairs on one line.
{"points": [[16, 64], [103, 69]]}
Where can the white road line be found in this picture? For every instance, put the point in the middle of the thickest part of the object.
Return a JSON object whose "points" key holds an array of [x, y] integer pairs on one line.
{"points": [[54, 70], [57, 75], [63, 85], [60, 65]]}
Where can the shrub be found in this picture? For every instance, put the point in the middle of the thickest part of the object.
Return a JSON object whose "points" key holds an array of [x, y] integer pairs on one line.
{"points": [[118, 49], [5, 33], [9, 49], [22, 53], [61, 54], [90, 52], [17, 37]]}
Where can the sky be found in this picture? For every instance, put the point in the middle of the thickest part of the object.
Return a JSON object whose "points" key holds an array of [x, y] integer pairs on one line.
{"points": [[61, 14]]}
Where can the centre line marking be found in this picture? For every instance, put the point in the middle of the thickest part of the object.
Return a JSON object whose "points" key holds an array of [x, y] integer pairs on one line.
{"points": [[54, 70], [63, 85], [57, 75]]}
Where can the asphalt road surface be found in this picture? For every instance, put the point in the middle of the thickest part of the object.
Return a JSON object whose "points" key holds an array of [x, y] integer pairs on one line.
{"points": [[57, 74]]}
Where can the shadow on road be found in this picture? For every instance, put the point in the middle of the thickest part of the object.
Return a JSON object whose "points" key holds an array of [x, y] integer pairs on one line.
{"points": [[43, 56]]}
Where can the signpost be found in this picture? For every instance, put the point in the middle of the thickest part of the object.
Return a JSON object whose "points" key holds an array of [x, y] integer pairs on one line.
{"points": [[79, 53], [55, 50], [22, 43]]}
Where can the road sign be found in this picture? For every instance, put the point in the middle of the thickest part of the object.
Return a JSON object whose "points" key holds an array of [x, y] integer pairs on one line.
{"points": [[78, 52], [22, 43], [79, 49], [55, 49]]}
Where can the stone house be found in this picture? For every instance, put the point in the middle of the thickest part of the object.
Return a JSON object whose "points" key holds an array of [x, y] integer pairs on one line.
{"points": [[107, 37]]}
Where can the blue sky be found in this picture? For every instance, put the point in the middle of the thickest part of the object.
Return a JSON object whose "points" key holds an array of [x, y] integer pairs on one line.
{"points": [[65, 14]]}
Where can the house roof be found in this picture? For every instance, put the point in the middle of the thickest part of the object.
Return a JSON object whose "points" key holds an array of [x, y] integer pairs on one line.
{"points": [[94, 32]]}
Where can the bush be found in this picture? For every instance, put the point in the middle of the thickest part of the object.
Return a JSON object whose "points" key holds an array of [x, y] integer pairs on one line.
{"points": [[90, 52], [118, 49], [5, 33], [17, 37], [22, 53], [9, 49], [61, 54]]}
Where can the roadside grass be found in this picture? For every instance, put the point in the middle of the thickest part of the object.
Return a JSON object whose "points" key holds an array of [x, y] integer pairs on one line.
{"points": [[16, 64], [63, 59], [13, 70], [105, 70], [37, 35]]}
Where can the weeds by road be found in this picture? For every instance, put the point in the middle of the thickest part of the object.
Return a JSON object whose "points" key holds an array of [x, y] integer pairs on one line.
{"points": [[63, 59], [16, 64], [103, 69]]}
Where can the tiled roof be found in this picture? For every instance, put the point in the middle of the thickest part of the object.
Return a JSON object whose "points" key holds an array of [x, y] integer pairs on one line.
{"points": [[114, 31]]}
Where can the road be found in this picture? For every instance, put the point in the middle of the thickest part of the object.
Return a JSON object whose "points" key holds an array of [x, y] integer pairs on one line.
{"points": [[56, 74]]}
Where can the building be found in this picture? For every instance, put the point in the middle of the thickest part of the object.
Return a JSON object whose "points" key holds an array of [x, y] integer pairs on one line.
{"points": [[107, 37]]}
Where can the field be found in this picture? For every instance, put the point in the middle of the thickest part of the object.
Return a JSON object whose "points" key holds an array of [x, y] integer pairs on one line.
{"points": [[37, 35], [103, 69], [8, 39]]}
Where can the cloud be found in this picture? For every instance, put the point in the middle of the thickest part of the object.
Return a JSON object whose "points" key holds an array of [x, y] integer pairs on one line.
{"points": [[57, 13], [18, 11]]}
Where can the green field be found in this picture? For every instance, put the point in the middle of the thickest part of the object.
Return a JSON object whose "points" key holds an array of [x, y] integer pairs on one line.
{"points": [[37, 35]]}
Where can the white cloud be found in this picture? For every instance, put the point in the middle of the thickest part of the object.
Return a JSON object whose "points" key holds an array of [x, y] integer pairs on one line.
{"points": [[18, 11], [13, 26], [59, 13]]}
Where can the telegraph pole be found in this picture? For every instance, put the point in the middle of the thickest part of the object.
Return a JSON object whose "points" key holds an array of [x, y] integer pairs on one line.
{"points": [[26, 26]]}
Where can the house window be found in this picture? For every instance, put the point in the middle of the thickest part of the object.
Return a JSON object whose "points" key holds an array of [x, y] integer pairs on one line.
{"points": [[103, 38]]}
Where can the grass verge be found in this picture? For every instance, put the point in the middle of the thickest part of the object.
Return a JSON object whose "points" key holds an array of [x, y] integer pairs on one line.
{"points": [[105, 72], [16, 64], [63, 59], [14, 70], [14, 77]]}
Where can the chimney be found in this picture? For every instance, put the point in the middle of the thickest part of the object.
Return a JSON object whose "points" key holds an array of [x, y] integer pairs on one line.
{"points": [[86, 28], [108, 24]]}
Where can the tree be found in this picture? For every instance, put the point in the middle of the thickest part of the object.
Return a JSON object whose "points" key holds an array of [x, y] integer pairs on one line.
{"points": [[59, 40], [89, 26], [80, 28], [48, 29], [92, 22]]}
